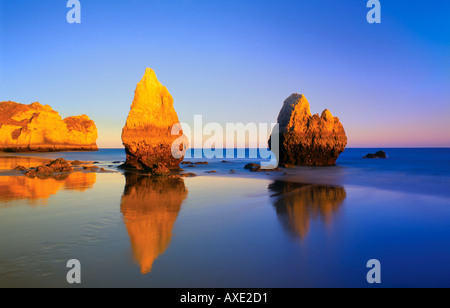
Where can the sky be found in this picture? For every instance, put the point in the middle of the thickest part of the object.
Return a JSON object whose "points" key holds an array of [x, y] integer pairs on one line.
{"points": [[237, 61]]}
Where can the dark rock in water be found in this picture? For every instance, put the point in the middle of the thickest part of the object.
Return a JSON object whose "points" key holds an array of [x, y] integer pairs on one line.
{"points": [[379, 154], [257, 168], [307, 139], [91, 168], [202, 163], [188, 175], [213, 171], [31, 173], [116, 162], [187, 163], [59, 165], [252, 166], [20, 168]]}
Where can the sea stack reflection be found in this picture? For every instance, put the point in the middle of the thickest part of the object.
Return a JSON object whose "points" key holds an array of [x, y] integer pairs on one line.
{"points": [[297, 204], [150, 207]]}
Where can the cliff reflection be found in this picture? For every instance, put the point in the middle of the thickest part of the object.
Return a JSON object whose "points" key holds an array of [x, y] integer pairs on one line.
{"points": [[296, 204], [150, 207], [38, 190]]}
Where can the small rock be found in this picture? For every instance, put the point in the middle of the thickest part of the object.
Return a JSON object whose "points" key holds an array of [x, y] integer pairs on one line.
{"points": [[252, 167], [188, 175], [20, 168], [379, 154], [31, 173]]}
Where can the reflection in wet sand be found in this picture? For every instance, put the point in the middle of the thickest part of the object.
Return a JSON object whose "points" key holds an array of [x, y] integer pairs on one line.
{"points": [[150, 207], [38, 190], [296, 204]]}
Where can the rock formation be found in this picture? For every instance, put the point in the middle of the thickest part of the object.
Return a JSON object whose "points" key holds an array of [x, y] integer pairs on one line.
{"points": [[379, 154], [147, 135], [36, 127], [307, 139]]}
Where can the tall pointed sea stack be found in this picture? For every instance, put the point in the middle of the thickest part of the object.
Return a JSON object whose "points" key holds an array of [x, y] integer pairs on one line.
{"points": [[147, 135], [307, 139]]}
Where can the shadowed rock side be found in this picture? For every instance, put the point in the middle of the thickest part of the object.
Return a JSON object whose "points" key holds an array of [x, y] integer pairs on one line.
{"points": [[150, 207], [38, 190], [307, 139], [147, 135], [296, 204], [36, 127]]}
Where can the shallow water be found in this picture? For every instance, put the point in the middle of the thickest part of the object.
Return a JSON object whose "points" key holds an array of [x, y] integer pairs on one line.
{"points": [[230, 230]]}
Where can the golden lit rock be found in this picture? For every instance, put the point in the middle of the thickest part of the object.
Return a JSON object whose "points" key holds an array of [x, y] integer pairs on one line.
{"points": [[307, 139], [147, 135], [36, 127]]}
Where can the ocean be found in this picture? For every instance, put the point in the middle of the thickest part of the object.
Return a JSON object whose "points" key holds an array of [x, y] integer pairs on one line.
{"points": [[299, 227]]}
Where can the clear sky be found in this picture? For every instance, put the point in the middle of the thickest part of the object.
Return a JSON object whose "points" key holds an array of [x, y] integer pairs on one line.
{"points": [[236, 61]]}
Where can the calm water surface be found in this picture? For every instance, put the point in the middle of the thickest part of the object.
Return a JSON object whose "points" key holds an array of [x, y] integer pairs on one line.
{"points": [[310, 227]]}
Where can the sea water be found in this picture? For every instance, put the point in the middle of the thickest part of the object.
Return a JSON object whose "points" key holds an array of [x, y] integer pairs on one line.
{"points": [[299, 227]]}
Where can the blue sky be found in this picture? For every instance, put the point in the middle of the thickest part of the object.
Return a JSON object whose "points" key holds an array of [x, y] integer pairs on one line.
{"points": [[236, 61]]}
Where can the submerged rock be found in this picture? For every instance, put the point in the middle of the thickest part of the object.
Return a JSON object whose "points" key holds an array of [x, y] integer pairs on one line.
{"points": [[379, 154], [147, 135], [36, 127], [307, 139]]}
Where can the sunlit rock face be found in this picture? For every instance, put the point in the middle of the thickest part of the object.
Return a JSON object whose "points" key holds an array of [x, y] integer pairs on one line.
{"points": [[147, 135], [150, 207], [307, 139], [36, 127], [37, 190], [297, 204]]}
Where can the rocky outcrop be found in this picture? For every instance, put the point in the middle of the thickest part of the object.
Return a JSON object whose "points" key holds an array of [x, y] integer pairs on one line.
{"points": [[379, 154], [36, 127], [307, 139], [147, 135]]}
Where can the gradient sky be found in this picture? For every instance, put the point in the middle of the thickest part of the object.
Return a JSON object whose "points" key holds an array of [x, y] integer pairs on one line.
{"points": [[236, 61]]}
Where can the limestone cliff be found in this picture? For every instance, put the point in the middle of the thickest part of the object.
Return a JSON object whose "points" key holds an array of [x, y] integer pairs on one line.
{"points": [[36, 127], [307, 139], [147, 135]]}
